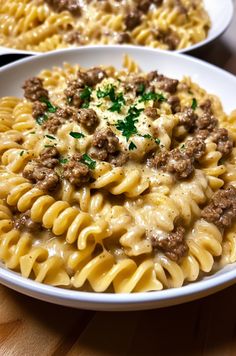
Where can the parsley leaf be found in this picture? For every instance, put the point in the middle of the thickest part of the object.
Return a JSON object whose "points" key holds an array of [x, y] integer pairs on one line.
{"points": [[132, 146], [194, 104], [158, 141], [86, 93], [21, 153], [141, 88], [147, 136], [85, 105], [50, 108], [108, 91], [50, 137], [88, 161], [152, 96], [127, 126], [76, 134], [117, 103], [63, 160], [41, 119]]}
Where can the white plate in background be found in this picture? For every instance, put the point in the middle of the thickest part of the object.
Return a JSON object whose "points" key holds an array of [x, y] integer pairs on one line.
{"points": [[220, 12], [213, 79]]}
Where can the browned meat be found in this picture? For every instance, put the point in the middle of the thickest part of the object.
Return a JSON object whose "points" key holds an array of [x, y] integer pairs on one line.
{"points": [[167, 84], [180, 162], [132, 19], [34, 90], [62, 5], [181, 8], [223, 141], [174, 103], [206, 122], [53, 124], [123, 37], [164, 83], [73, 92], [76, 172], [157, 2], [222, 208], [172, 40], [49, 157], [44, 178], [96, 75], [136, 84], [118, 158], [188, 119], [143, 5], [38, 109], [195, 148], [151, 112], [206, 106], [74, 37], [173, 246], [24, 223], [88, 118], [105, 143]]}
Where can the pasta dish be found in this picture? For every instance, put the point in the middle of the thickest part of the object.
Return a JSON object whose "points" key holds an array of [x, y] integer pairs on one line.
{"points": [[116, 180], [45, 25]]}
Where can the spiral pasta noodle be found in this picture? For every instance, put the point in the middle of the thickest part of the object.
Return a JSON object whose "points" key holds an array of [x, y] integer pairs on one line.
{"points": [[115, 180], [35, 25]]}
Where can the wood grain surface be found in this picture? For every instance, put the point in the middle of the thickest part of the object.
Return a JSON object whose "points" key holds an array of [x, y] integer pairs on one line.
{"points": [[30, 327]]}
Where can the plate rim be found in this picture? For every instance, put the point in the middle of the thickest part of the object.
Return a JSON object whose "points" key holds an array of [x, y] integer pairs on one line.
{"points": [[122, 301]]}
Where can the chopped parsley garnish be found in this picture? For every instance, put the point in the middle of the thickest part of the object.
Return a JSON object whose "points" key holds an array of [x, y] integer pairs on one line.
{"points": [[32, 133], [117, 100], [47, 146], [182, 147], [21, 153], [109, 91], [41, 119], [147, 136], [127, 126], [117, 103], [50, 108], [50, 137], [63, 160], [85, 105], [86, 93], [76, 134], [141, 88], [152, 96], [132, 146], [88, 161], [194, 104], [158, 141]]}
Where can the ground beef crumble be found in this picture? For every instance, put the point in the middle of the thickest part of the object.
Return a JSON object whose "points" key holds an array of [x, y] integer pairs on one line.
{"points": [[45, 178], [59, 118], [49, 157], [62, 5], [180, 161], [24, 223], [76, 172], [39, 109], [133, 19], [151, 113], [173, 246], [88, 118], [164, 83], [224, 142], [221, 209], [34, 90]]}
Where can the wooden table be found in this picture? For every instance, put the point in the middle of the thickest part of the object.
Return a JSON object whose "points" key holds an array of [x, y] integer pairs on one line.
{"points": [[206, 327]]}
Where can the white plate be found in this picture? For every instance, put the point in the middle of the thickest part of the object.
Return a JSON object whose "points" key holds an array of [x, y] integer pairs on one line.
{"points": [[220, 12], [213, 79]]}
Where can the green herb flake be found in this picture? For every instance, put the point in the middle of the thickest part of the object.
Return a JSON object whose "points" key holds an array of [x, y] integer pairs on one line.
{"points": [[141, 89], [76, 134], [86, 93], [32, 133], [182, 147], [88, 161], [109, 91], [147, 136], [132, 146], [85, 105], [21, 153], [50, 137], [50, 108], [63, 160], [152, 96], [194, 104], [127, 126], [158, 141], [47, 146], [41, 119], [117, 104]]}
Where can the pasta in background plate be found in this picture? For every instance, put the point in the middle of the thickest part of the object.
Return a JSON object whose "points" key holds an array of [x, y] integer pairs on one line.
{"points": [[116, 181], [38, 25]]}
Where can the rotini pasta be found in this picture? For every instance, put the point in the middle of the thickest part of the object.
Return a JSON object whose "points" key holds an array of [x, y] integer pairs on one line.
{"points": [[41, 26], [115, 181]]}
